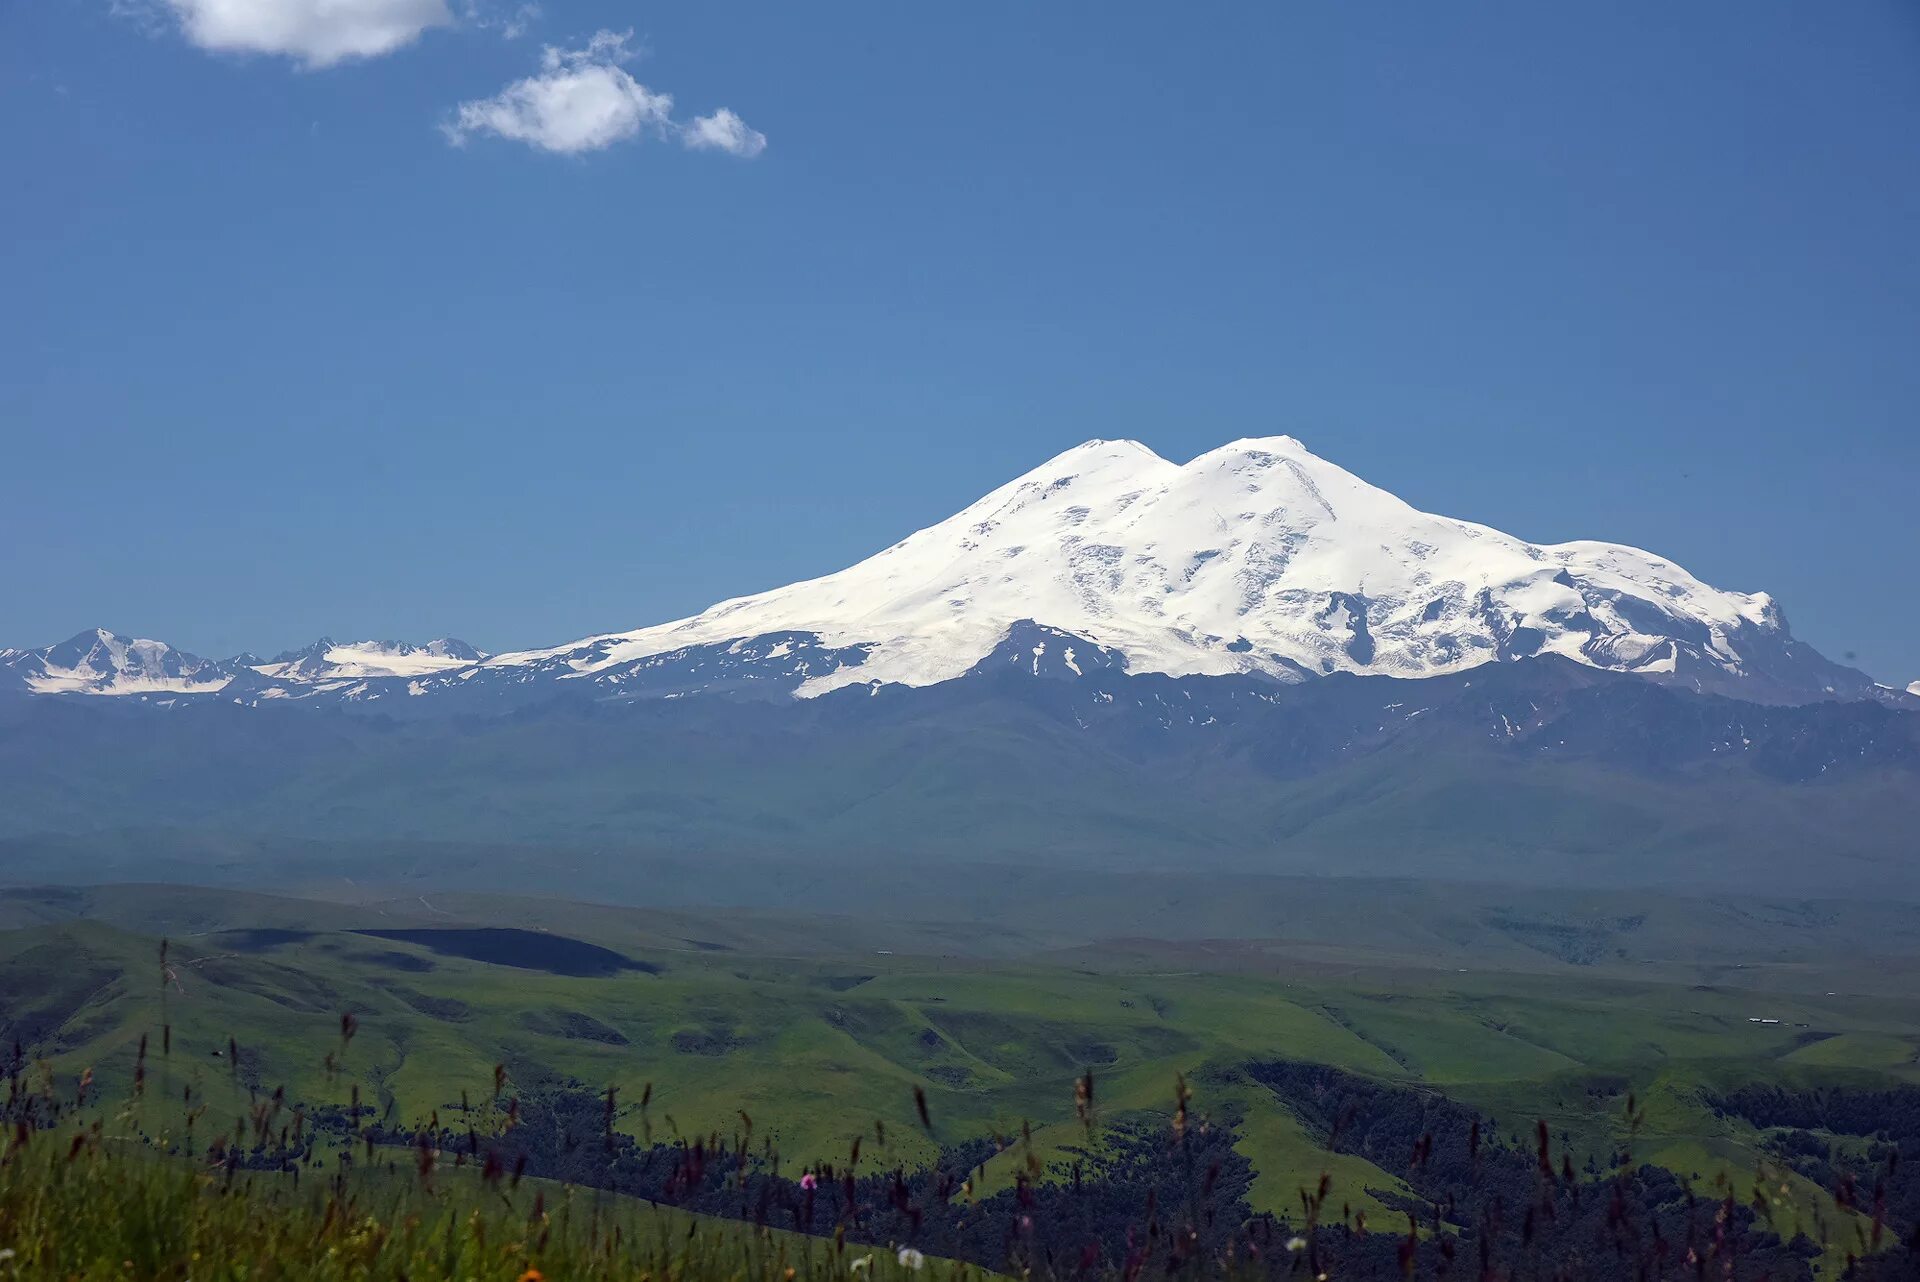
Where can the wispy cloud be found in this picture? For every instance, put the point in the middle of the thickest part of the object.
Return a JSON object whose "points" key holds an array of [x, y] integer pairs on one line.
{"points": [[723, 131], [586, 100], [511, 21], [316, 33]]}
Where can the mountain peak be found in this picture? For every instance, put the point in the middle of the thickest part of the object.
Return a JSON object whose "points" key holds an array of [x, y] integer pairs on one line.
{"points": [[1127, 449], [106, 637], [1264, 445], [100, 661], [453, 648], [1089, 458], [1105, 445], [1255, 557]]}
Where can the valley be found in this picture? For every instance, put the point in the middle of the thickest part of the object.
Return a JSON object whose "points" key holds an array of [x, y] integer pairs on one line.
{"points": [[822, 1028]]}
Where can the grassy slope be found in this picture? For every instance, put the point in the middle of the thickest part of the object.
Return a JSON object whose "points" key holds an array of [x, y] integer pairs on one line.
{"points": [[820, 1035], [112, 1208]]}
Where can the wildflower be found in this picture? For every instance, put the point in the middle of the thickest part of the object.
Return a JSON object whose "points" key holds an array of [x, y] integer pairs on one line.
{"points": [[861, 1265], [533, 1275], [1296, 1244], [911, 1259], [6, 1255], [809, 1182]]}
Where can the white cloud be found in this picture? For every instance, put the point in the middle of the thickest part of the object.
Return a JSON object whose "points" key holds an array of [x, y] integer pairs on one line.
{"points": [[724, 131], [582, 100], [585, 100], [318, 33]]}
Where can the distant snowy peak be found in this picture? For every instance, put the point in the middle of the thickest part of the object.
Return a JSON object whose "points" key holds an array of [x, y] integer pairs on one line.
{"points": [[101, 662], [327, 659], [1257, 557]]}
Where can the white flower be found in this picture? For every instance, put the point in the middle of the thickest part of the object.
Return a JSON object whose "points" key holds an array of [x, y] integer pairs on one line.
{"points": [[1296, 1244], [861, 1265], [912, 1259]]}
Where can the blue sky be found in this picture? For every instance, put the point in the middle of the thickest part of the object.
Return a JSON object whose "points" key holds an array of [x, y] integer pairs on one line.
{"points": [[292, 342]]}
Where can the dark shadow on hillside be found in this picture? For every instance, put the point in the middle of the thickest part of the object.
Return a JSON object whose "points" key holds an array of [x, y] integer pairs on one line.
{"points": [[262, 939], [524, 949]]}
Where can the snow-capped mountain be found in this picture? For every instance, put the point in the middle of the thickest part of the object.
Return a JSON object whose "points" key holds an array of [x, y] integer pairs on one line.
{"points": [[1258, 558], [102, 662], [327, 659]]}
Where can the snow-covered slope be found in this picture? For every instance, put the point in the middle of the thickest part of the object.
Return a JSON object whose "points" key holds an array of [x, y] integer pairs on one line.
{"points": [[1255, 557], [327, 659]]}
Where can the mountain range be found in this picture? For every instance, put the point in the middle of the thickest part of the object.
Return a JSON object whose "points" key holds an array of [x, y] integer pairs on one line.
{"points": [[1252, 662], [1256, 559]]}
